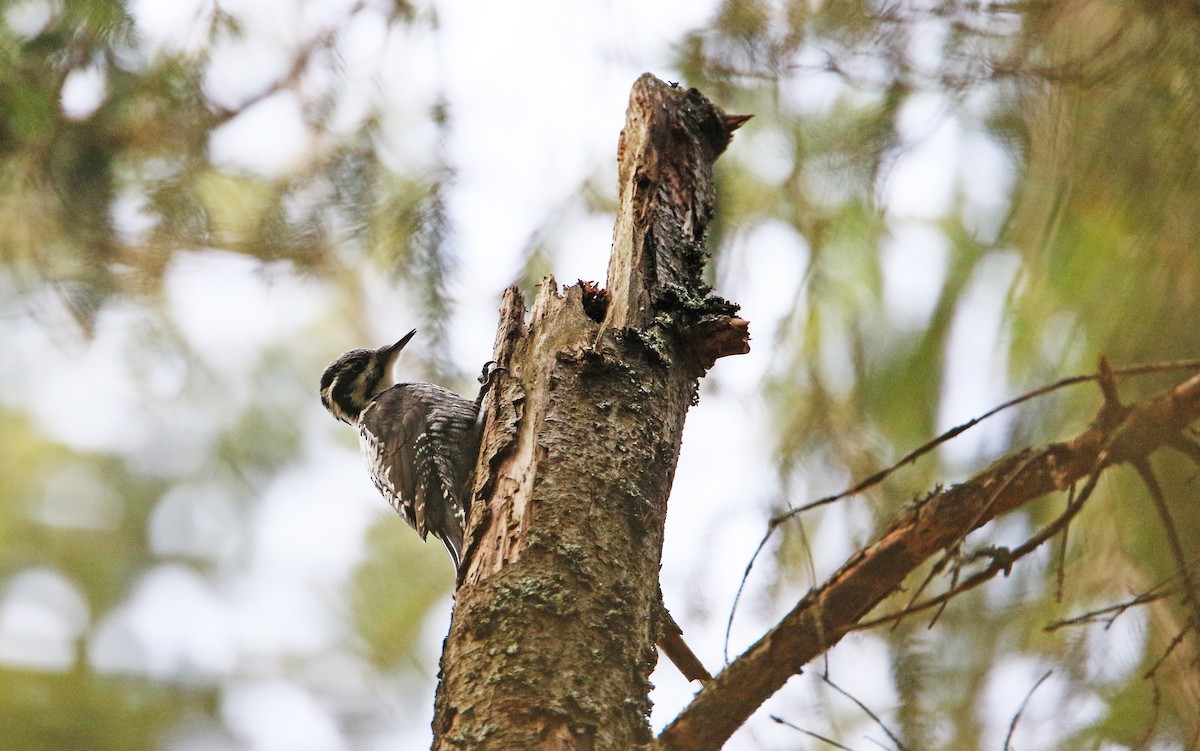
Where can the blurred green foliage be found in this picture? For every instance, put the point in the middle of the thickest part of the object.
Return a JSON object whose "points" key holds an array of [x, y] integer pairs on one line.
{"points": [[1085, 110], [1092, 104]]}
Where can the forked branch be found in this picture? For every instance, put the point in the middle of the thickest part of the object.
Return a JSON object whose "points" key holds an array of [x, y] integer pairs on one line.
{"points": [[833, 609]]}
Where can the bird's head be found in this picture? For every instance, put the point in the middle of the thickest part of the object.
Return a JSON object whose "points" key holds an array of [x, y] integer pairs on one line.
{"points": [[350, 382]]}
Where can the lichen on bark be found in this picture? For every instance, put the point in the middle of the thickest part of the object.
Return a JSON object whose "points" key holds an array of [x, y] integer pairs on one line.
{"points": [[552, 638]]}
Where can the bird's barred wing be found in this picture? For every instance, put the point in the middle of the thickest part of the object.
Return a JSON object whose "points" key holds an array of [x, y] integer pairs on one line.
{"points": [[389, 430], [420, 442]]}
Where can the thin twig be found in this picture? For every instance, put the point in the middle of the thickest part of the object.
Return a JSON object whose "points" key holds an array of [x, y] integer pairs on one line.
{"points": [[1114, 611], [942, 608], [809, 733], [1061, 575], [1156, 705], [1160, 590], [934, 571], [1164, 514], [746, 575], [865, 709], [737, 598], [1012, 726], [1157, 367], [1175, 642]]}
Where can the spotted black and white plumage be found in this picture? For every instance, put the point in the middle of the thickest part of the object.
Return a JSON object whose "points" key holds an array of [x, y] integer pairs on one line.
{"points": [[419, 440]]}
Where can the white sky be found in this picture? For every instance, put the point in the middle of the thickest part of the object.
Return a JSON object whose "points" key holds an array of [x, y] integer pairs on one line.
{"points": [[516, 153]]}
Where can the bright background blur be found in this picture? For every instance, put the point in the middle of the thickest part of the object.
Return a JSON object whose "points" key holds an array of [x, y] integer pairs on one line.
{"points": [[203, 202]]}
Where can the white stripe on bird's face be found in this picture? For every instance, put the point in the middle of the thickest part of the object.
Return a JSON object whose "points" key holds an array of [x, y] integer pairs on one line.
{"points": [[350, 383]]}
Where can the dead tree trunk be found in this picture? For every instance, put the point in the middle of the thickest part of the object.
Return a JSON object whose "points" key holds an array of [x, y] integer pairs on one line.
{"points": [[552, 639]]}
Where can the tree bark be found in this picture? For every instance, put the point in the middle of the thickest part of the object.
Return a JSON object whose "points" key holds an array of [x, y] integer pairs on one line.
{"points": [[551, 643]]}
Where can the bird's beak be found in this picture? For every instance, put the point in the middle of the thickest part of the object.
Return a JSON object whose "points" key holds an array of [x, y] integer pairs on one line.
{"points": [[391, 352]]}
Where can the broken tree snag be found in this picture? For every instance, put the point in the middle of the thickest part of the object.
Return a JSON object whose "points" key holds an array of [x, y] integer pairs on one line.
{"points": [[671, 139], [551, 642]]}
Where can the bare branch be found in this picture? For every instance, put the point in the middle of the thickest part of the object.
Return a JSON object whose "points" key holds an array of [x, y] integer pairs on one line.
{"points": [[835, 608], [1177, 441], [1002, 562]]}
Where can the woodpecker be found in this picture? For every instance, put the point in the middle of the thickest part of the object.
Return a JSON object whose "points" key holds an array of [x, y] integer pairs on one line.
{"points": [[420, 440]]}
